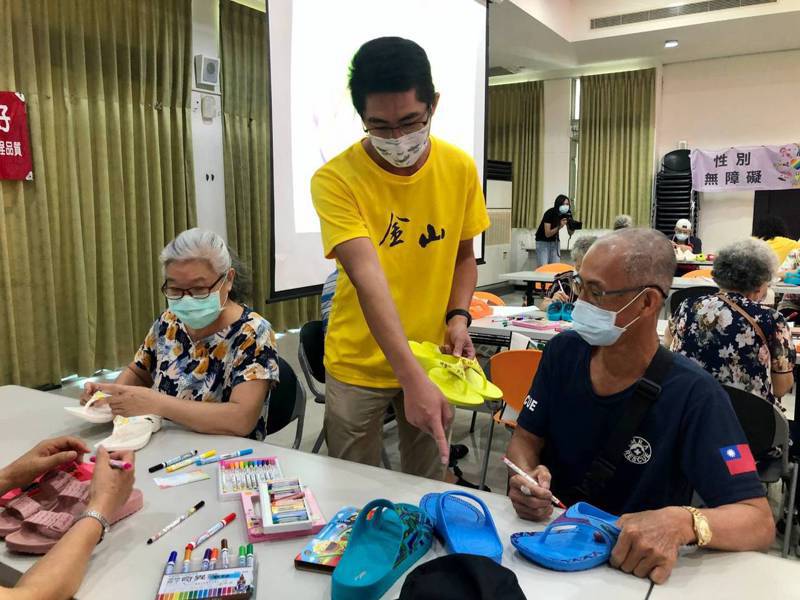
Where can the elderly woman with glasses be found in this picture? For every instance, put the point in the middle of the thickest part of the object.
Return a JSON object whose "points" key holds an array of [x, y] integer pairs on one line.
{"points": [[209, 361], [730, 334]]}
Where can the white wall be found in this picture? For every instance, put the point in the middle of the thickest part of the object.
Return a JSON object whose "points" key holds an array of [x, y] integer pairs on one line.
{"points": [[207, 133], [743, 100]]}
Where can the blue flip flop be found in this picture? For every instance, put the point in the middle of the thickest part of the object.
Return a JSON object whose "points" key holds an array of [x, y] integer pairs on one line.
{"points": [[463, 527], [385, 541], [581, 538], [566, 311]]}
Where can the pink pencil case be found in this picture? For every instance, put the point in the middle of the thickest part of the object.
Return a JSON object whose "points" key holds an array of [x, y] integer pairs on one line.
{"points": [[253, 522]]}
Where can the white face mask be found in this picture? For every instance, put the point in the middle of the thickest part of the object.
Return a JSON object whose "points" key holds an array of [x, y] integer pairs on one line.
{"points": [[597, 326], [681, 237], [404, 151]]}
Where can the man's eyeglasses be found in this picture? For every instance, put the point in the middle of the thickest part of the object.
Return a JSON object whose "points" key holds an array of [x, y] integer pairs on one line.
{"points": [[597, 293], [404, 129], [199, 292]]}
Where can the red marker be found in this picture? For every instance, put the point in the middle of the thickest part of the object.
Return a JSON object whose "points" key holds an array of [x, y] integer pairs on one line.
{"points": [[116, 464], [215, 528]]}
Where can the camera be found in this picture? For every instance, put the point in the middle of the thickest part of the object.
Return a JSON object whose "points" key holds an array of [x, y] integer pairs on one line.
{"points": [[572, 224]]}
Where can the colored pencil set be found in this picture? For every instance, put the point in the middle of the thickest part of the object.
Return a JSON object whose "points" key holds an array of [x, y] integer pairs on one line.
{"points": [[287, 502]]}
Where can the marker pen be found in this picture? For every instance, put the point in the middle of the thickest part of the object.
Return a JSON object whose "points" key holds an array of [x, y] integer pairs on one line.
{"points": [[228, 456], [189, 461], [215, 528], [172, 461], [250, 557], [173, 556], [206, 559], [242, 556], [214, 555], [187, 559], [116, 464], [224, 545]]}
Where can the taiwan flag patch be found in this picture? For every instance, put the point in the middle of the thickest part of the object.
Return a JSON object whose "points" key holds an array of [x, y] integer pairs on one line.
{"points": [[738, 459]]}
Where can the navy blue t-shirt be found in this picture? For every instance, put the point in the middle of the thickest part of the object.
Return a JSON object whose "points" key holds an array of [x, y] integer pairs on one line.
{"points": [[679, 447]]}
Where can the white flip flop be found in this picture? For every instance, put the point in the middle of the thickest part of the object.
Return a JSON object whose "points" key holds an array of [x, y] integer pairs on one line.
{"points": [[131, 433], [87, 412]]}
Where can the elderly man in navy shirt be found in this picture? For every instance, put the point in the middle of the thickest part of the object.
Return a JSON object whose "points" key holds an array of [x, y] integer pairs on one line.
{"points": [[686, 437]]}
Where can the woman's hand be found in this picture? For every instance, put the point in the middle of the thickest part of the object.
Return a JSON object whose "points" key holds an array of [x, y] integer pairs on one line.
{"points": [[89, 390], [129, 400], [43, 457], [110, 487]]}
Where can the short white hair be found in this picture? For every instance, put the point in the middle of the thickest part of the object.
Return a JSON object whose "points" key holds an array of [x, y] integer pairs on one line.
{"points": [[683, 224], [198, 244]]}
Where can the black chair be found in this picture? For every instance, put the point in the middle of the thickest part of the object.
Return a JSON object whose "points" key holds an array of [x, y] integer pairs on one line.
{"points": [[767, 432], [678, 296], [286, 403], [310, 353]]}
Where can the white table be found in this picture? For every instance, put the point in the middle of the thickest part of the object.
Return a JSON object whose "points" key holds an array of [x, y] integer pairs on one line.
{"points": [[125, 567], [695, 263], [731, 576]]}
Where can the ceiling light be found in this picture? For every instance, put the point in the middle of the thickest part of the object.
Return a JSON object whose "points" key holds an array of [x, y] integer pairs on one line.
{"points": [[671, 44]]}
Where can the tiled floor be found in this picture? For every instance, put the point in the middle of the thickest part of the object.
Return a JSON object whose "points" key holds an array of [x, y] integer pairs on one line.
{"points": [[471, 465]]}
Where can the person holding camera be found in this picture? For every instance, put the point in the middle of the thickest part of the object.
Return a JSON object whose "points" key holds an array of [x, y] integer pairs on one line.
{"points": [[547, 241]]}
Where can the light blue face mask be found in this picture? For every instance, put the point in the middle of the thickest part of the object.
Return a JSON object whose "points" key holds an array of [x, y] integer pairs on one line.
{"points": [[597, 326], [563, 209], [197, 313], [681, 237]]}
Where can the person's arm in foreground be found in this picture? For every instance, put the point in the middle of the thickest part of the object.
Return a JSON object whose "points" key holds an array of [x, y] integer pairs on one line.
{"points": [[649, 542], [59, 573], [425, 406], [43, 457], [238, 416], [465, 278], [550, 231]]}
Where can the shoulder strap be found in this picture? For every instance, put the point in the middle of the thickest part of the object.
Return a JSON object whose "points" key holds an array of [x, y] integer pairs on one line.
{"points": [[746, 315], [645, 394]]}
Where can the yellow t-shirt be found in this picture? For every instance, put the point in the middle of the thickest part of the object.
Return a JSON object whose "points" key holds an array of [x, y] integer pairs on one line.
{"points": [[781, 246], [415, 224]]}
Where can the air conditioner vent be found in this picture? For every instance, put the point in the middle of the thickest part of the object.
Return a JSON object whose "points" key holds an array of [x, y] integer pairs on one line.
{"points": [[672, 11]]}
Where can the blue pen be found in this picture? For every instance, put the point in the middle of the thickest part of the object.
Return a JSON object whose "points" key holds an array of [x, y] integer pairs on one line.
{"points": [[206, 559], [173, 557], [230, 455]]}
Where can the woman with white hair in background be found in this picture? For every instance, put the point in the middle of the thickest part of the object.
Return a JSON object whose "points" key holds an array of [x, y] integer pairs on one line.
{"points": [[209, 361], [739, 341], [622, 222]]}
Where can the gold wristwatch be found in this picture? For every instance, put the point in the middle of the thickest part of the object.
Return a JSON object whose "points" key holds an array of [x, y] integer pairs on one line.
{"points": [[702, 530]]}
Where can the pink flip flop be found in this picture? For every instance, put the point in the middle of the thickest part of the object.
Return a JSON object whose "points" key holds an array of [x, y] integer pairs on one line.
{"points": [[45, 497], [42, 531]]}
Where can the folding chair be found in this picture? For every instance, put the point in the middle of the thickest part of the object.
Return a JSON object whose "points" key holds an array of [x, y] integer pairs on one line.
{"points": [[310, 353], [767, 432], [513, 372], [286, 403]]}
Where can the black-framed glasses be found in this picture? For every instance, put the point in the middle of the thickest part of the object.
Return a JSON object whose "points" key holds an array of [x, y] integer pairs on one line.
{"points": [[578, 286], [405, 129], [198, 292]]}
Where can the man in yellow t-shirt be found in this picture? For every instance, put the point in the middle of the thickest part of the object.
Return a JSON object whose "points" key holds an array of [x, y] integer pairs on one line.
{"points": [[773, 230], [398, 210]]}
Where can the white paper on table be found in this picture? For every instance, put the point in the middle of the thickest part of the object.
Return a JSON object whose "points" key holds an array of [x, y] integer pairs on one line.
{"points": [[513, 311], [518, 341]]}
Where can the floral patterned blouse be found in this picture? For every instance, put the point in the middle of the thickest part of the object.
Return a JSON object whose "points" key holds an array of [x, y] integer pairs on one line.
{"points": [[207, 370], [724, 343]]}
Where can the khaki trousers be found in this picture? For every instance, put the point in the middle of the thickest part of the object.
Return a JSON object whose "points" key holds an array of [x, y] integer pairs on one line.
{"points": [[354, 428]]}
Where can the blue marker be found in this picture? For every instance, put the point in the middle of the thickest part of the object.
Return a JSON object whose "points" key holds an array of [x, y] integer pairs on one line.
{"points": [[206, 559], [230, 455], [173, 557]]}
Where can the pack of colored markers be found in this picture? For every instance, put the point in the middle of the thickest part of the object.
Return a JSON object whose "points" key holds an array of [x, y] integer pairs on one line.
{"points": [[237, 475], [226, 583], [234, 583]]}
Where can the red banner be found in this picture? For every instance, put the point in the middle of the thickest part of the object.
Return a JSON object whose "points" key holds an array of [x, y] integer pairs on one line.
{"points": [[15, 145]]}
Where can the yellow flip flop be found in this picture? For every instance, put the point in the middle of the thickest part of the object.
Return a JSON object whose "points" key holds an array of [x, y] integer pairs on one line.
{"points": [[461, 380]]}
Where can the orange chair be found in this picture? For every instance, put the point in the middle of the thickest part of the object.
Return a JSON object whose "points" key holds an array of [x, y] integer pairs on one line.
{"points": [[697, 273], [512, 371], [490, 298], [551, 268]]}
